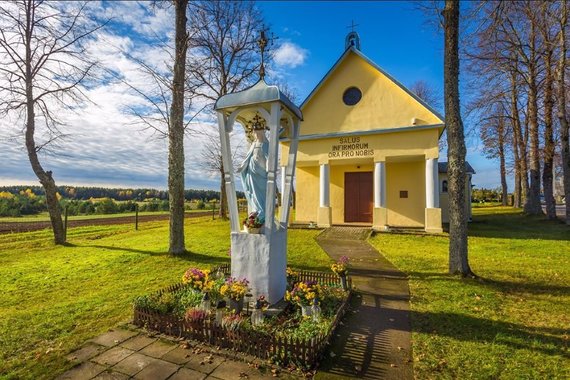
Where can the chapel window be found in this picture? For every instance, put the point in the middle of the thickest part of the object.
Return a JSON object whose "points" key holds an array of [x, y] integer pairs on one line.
{"points": [[351, 96]]}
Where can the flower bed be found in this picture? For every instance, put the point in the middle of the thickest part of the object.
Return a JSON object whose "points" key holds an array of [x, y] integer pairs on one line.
{"points": [[287, 339]]}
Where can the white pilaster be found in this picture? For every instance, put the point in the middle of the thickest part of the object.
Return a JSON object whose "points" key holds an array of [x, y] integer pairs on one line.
{"points": [[272, 157], [432, 183], [228, 175], [324, 198], [379, 184]]}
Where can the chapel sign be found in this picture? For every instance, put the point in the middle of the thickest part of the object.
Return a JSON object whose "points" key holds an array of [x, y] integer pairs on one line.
{"points": [[348, 147]]}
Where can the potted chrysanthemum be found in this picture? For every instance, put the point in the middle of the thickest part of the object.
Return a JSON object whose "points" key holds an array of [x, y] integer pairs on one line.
{"points": [[235, 290], [197, 279], [303, 295], [341, 270]]}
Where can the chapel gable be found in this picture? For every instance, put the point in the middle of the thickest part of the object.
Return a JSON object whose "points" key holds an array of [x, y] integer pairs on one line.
{"points": [[356, 95]]}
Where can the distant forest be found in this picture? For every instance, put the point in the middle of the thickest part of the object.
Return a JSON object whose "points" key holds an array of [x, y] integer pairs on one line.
{"points": [[119, 194]]}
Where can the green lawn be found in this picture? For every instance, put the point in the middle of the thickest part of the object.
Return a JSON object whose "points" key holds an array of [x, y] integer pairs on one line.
{"points": [[44, 216], [513, 322], [55, 298]]}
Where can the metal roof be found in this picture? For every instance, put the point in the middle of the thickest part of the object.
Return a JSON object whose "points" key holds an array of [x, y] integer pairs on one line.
{"points": [[442, 167], [259, 93]]}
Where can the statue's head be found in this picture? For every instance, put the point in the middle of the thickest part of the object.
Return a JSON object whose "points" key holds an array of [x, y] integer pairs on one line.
{"points": [[259, 135]]}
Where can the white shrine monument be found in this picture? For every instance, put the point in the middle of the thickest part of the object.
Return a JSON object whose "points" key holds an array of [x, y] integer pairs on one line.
{"points": [[267, 115]]}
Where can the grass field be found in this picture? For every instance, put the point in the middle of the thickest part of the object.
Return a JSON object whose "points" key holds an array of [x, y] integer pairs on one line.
{"points": [[511, 323], [55, 298], [44, 216]]}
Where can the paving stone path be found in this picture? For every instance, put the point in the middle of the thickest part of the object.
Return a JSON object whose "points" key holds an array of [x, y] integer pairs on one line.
{"points": [[374, 341], [124, 353]]}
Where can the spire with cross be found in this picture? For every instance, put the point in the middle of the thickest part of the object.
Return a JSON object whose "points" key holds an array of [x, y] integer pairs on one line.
{"points": [[352, 38], [263, 42]]}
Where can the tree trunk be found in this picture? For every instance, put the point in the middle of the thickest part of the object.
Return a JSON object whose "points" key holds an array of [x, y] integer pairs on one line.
{"points": [[176, 135], [517, 202], [458, 260], [502, 167], [46, 178], [532, 202], [548, 171], [223, 212], [519, 140], [562, 114]]}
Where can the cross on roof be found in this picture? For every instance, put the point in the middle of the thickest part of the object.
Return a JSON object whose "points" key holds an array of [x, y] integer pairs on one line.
{"points": [[262, 43], [352, 25]]}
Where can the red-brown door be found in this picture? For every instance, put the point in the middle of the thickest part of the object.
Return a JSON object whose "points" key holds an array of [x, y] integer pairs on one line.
{"points": [[358, 197]]}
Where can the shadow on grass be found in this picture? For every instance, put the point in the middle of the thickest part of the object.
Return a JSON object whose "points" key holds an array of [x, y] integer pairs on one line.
{"points": [[515, 225], [188, 256], [498, 285], [468, 328]]}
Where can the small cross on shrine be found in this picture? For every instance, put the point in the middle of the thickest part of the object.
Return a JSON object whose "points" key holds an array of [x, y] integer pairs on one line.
{"points": [[262, 43]]}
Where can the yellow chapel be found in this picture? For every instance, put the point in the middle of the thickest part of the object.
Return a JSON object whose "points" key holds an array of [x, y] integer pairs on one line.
{"points": [[368, 152]]}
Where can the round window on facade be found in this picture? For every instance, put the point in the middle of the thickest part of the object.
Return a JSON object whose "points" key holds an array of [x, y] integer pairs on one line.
{"points": [[351, 96]]}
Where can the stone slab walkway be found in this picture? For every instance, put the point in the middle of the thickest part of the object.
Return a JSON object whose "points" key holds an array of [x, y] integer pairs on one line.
{"points": [[125, 353], [374, 341]]}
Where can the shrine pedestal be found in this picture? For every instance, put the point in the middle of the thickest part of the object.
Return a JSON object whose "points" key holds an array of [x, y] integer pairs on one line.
{"points": [[262, 260]]}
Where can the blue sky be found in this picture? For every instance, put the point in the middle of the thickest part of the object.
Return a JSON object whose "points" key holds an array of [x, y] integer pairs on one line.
{"points": [[105, 148]]}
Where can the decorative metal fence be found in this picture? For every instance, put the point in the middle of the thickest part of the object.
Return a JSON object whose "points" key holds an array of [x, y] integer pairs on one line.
{"points": [[303, 353]]}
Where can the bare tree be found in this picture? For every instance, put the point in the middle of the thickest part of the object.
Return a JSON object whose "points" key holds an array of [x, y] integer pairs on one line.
{"points": [[432, 97], [458, 258], [545, 24], [519, 142], [532, 203], [211, 155], [168, 110], [562, 111], [427, 93], [493, 132], [42, 64], [223, 53], [176, 133]]}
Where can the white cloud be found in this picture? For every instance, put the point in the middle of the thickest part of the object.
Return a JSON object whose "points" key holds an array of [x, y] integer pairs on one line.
{"points": [[290, 55], [104, 145]]}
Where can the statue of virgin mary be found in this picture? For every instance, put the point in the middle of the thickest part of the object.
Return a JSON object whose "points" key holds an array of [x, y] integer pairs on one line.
{"points": [[253, 173]]}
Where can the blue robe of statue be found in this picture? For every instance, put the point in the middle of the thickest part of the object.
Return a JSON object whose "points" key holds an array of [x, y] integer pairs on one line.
{"points": [[253, 173]]}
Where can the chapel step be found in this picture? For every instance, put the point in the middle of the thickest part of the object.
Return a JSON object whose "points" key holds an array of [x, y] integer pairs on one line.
{"points": [[345, 233]]}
